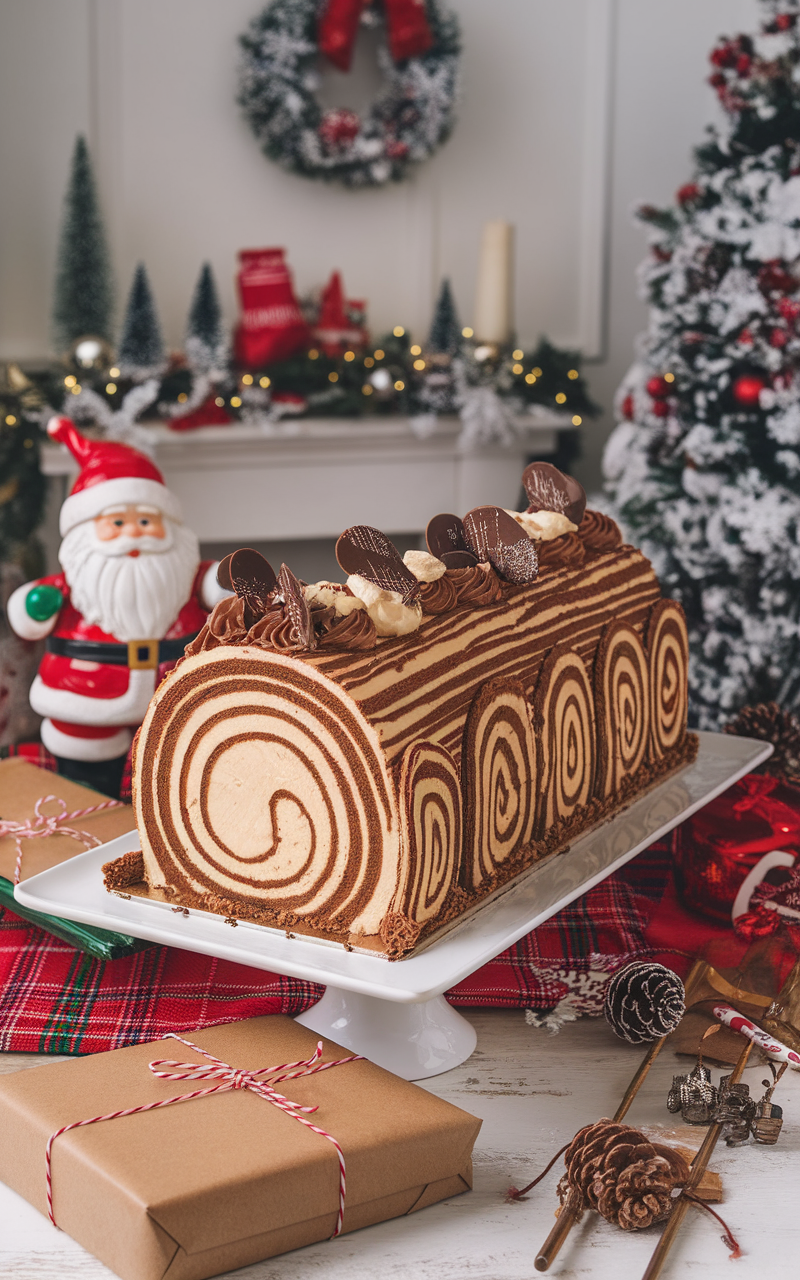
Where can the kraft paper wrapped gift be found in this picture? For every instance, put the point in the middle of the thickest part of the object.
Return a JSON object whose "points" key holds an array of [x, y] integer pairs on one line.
{"points": [[208, 1185], [22, 785]]}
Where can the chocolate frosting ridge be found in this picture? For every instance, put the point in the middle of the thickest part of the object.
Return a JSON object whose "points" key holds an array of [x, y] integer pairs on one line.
{"points": [[566, 552], [598, 532], [275, 630], [224, 625], [479, 585], [356, 631], [440, 596]]}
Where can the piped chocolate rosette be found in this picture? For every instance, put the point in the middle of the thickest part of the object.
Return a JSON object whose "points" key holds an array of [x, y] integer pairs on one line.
{"points": [[282, 613], [599, 533]]}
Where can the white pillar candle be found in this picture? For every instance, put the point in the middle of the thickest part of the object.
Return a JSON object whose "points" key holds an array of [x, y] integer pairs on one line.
{"points": [[493, 293]]}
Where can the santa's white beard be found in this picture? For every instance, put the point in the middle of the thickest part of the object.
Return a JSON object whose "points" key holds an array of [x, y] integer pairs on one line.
{"points": [[130, 597]]}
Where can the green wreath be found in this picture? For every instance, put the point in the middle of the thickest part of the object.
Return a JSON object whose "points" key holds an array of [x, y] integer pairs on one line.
{"points": [[411, 117]]}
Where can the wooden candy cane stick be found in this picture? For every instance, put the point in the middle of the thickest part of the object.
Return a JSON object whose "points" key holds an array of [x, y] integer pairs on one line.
{"points": [[698, 1168], [572, 1208]]}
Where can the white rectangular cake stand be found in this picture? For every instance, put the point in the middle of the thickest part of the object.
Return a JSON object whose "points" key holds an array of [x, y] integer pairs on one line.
{"points": [[394, 1012]]}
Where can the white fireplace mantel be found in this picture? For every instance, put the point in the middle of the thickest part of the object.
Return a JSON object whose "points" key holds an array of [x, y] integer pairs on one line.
{"points": [[311, 478]]}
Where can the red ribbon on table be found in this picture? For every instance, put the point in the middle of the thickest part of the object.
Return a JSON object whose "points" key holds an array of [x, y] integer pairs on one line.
{"points": [[52, 824], [407, 28], [229, 1078]]}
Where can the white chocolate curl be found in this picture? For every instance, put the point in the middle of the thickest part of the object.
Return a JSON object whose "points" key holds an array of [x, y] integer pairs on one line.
{"points": [[332, 595], [386, 608], [543, 526], [424, 566], [762, 1039]]}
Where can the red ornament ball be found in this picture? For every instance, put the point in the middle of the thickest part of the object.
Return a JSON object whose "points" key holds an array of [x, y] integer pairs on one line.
{"points": [[338, 127], [747, 389], [778, 338], [660, 408], [658, 388], [627, 406], [688, 193]]}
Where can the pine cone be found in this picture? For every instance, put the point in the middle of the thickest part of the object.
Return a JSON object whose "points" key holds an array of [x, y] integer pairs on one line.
{"points": [[619, 1172], [644, 1001], [769, 723]]}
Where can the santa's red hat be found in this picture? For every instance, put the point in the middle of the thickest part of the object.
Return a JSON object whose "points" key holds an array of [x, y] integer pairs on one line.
{"points": [[111, 475]]}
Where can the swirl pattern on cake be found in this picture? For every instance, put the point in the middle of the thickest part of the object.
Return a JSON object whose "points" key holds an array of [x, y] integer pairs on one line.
{"points": [[565, 738], [430, 823], [257, 778], [667, 644], [621, 691], [498, 765]]}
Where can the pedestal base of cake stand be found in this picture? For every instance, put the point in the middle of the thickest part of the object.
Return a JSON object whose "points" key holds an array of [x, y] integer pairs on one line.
{"points": [[415, 1041]]}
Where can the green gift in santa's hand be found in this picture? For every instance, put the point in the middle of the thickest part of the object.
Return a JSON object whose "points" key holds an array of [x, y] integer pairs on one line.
{"points": [[42, 602]]}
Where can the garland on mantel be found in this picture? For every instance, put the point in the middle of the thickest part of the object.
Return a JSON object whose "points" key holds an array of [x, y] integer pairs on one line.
{"points": [[490, 389]]}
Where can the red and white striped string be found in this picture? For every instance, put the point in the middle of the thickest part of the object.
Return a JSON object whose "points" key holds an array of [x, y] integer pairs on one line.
{"points": [[229, 1078], [52, 824]]}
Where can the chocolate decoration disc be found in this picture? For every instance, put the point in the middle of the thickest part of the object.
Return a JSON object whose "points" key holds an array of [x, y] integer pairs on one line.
{"points": [[495, 536], [548, 489], [368, 553], [224, 573], [252, 577], [445, 536], [297, 607]]}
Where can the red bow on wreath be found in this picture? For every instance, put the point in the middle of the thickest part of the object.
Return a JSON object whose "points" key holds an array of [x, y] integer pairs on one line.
{"points": [[406, 23]]}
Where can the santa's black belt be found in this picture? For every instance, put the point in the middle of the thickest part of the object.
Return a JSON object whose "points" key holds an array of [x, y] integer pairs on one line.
{"points": [[138, 655]]}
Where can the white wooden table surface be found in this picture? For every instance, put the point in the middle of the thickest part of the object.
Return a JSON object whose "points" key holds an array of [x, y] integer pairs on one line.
{"points": [[533, 1091]]}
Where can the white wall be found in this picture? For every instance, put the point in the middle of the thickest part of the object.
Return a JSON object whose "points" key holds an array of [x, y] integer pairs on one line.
{"points": [[572, 110]]}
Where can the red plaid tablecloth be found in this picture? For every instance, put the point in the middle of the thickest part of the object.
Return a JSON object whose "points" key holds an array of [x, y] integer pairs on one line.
{"points": [[54, 999]]}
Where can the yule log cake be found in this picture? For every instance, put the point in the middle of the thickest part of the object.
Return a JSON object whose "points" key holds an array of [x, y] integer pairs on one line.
{"points": [[366, 762]]}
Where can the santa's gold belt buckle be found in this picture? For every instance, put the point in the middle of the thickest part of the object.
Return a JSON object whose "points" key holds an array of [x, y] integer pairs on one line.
{"points": [[142, 655]]}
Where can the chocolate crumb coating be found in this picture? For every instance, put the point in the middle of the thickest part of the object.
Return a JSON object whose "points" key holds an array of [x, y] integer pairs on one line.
{"points": [[398, 934], [599, 533], [356, 631], [477, 586], [566, 552], [440, 596], [124, 871]]}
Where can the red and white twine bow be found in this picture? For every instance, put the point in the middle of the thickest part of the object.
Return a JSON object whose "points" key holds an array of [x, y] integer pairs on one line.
{"points": [[51, 824], [261, 1082]]}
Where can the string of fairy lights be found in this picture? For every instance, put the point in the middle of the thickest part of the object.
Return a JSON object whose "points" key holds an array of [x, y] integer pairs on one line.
{"points": [[390, 377]]}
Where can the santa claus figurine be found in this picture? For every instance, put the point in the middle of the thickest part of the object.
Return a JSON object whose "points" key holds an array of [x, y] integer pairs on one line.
{"points": [[132, 594]]}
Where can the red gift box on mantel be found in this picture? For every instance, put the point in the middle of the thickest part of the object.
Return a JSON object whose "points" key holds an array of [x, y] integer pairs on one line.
{"points": [[717, 848], [187, 1157]]}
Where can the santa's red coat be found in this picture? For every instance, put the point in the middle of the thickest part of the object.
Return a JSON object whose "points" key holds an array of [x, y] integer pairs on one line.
{"points": [[108, 681], [91, 708]]}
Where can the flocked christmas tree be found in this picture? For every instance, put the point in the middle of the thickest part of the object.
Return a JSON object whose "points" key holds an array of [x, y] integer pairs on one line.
{"points": [[206, 341], [704, 466], [141, 348], [84, 293]]}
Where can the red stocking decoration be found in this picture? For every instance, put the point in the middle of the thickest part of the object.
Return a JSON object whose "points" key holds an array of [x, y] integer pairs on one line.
{"points": [[272, 325]]}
